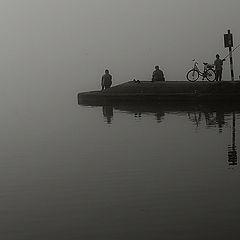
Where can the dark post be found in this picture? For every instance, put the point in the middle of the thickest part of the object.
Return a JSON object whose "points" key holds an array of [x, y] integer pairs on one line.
{"points": [[228, 42]]}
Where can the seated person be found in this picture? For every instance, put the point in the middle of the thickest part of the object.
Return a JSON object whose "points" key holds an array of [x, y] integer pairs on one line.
{"points": [[157, 75]]}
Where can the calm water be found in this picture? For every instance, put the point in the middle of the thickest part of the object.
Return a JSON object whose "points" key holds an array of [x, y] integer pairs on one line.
{"points": [[119, 172]]}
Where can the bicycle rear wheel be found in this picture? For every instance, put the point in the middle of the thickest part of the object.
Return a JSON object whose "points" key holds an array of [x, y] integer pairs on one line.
{"points": [[210, 75], [192, 75]]}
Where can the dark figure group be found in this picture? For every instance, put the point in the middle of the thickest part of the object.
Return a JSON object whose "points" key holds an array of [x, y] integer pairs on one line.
{"points": [[106, 82], [158, 74]]}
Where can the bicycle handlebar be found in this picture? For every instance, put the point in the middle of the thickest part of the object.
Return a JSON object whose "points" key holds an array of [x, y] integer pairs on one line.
{"points": [[195, 62]]}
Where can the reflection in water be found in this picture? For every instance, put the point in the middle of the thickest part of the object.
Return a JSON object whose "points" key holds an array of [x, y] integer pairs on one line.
{"points": [[210, 117], [195, 117], [108, 113], [217, 118], [232, 150], [220, 120], [159, 116], [138, 115], [200, 115]]}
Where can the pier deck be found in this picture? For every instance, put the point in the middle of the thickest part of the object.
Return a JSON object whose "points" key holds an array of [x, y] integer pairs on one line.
{"points": [[167, 91]]}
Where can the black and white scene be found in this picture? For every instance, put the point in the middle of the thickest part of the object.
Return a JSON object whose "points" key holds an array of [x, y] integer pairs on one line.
{"points": [[119, 120]]}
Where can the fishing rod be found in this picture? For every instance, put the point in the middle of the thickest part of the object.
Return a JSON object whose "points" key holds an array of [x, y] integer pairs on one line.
{"points": [[233, 50]]}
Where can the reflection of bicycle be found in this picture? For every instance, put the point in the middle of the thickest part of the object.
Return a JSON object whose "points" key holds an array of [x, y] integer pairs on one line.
{"points": [[208, 72]]}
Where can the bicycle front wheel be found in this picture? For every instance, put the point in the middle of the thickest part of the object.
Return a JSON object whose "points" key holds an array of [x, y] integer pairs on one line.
{"points": [[211, 76], [192, 75]]}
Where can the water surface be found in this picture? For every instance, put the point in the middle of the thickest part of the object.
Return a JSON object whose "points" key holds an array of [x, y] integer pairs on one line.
{"points": [[125, 171]]}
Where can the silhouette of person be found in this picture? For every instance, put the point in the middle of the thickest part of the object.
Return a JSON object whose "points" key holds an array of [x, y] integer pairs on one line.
{"points": [[157, 75], [106, 80], [220, 120], [159, 116], [218, 63], [108, 113]]}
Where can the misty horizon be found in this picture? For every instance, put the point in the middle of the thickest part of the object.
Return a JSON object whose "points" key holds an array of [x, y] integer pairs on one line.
{"points": [[72, 169], [58, 43]]}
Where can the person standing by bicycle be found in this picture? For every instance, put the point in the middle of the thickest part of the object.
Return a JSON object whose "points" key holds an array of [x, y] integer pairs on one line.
{"points": [[218, 63]]}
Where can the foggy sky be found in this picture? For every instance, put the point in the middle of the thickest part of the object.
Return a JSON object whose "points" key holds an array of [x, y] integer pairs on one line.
{"points": [[54, 45]]}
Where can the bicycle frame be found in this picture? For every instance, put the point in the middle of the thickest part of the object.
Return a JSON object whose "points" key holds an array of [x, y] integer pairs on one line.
{"points": [[203, 74], [208, 72]]}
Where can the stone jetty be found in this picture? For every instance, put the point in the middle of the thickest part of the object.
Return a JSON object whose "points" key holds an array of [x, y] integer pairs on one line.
{"points": [[147, 91]]}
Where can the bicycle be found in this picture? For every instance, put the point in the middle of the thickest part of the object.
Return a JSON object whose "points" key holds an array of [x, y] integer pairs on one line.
{"points": [[208, 72]]}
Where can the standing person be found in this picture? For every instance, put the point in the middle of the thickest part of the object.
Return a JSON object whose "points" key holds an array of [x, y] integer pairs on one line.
{"points": [[218, 63], [106, 80], [157, 75]]}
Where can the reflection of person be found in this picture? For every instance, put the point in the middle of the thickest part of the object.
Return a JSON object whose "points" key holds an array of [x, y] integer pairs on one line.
{"points": [[218, 63], [158, 75], [159, 116], [220, 120], [108, 113], [106, 80]]}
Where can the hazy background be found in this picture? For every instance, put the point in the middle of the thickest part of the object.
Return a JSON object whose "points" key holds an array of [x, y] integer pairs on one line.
{"points": [[61, 165], [51, 47]]}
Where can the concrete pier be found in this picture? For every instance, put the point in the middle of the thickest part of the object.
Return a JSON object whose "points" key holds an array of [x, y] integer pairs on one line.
{"points": [[203, 91]]}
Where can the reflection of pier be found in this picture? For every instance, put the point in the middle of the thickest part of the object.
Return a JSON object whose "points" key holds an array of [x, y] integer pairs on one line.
{"points": [[232, 150], [216, 118], [210, 115]]}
